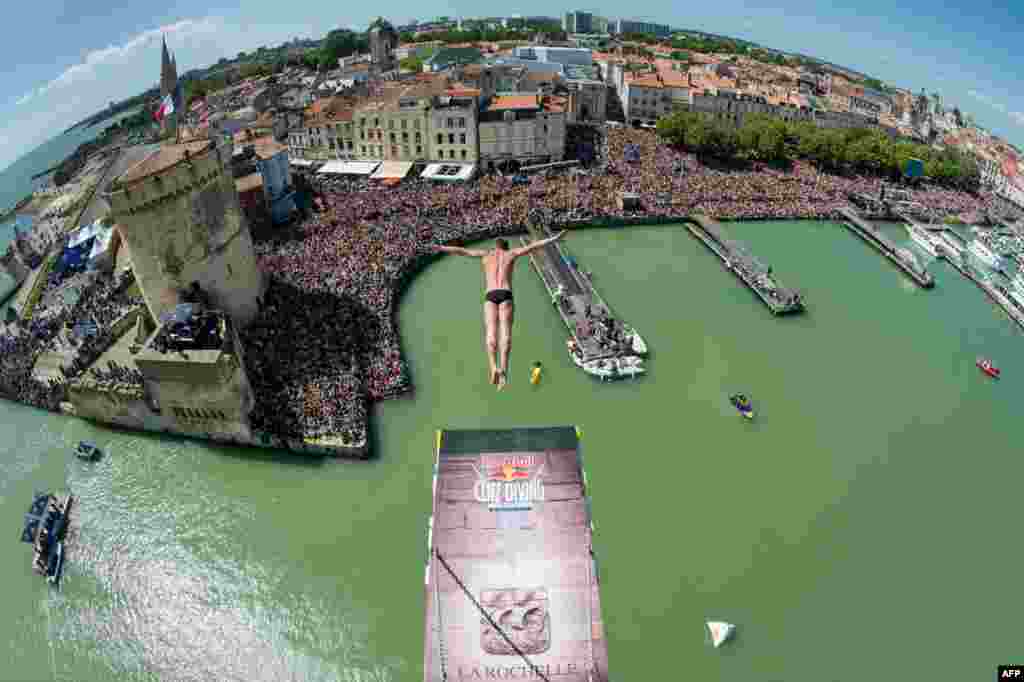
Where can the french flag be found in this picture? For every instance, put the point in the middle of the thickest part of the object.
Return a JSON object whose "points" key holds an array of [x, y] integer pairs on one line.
{"points": [[166, 108]]}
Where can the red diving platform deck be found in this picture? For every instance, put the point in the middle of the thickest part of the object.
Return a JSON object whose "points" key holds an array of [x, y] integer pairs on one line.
{"points": [[512, 587]]}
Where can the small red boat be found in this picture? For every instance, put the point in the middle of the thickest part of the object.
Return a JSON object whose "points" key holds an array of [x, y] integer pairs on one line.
{"points": [[988, 368]]}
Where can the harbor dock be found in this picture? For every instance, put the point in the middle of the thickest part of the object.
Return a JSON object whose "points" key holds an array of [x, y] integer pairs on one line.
{"points": [[573, 295], [511, 582], [903, 259], [997, 293], [779, 299]]}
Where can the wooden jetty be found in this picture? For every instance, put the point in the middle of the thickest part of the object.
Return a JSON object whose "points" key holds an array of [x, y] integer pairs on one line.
{"points": [[779, 299], [903, 260], [577, 296], [512, 589]]}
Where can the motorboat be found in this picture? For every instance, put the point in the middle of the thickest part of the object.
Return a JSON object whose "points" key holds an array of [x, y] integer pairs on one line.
{"points": [[88, 451], [979, 250], [986, 366], [922, 238], [637, 343], [720, 632], [742, 405], [615, 368]]}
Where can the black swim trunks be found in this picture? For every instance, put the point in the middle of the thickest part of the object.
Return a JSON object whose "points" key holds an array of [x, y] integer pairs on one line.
{"points": [[498, 296]]}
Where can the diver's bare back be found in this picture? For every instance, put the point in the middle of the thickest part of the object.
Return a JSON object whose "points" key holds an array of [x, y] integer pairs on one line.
{"points": [[499, 265]]}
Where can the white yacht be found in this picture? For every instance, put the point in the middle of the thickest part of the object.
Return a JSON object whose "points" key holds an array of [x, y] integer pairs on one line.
{"points": [[978, 249], [923, 239], [720, 632]]}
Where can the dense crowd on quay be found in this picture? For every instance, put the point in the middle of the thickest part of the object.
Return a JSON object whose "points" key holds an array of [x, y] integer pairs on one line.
{"points": [[326, 342], [102, 302]]}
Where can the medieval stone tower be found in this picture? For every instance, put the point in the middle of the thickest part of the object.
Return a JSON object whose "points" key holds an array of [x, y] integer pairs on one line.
{"points": [[169, 86], [383, 41], [178, 212]]}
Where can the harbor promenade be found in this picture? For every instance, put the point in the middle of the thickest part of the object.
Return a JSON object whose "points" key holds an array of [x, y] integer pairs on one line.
{"points": [[903, 259], [779, 299], [577, 294]]}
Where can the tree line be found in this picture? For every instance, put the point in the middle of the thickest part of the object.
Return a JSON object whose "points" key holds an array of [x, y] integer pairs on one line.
{"points": [[766, 138]]}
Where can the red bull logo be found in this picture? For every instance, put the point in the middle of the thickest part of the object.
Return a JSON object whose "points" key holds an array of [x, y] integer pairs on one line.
{"points": [[509, 482]]}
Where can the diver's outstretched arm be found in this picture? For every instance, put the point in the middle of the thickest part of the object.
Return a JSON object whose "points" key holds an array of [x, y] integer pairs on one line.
{"points": [[459, 251], [522, 251]]}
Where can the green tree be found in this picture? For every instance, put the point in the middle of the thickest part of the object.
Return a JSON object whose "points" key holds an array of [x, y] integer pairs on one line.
{"points": [[414, 64]]}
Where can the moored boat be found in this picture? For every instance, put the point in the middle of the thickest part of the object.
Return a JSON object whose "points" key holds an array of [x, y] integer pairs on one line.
{"points": [[637, 343], [923, 239], [979, 250], [986, 366]]}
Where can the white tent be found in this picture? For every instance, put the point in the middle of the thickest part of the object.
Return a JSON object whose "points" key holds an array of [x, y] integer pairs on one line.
{"points": [[449, 172], [348, 168]]}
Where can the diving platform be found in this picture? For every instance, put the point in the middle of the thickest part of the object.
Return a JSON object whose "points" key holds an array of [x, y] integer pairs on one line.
{"points": [[902, 258], [511, 584], [779, 299]]}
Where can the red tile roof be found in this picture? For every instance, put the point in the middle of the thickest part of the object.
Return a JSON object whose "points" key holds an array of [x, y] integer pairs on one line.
{"points": [[512, 102]]}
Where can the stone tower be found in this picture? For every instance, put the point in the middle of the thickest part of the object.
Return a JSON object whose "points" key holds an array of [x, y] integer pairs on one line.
{"points": [[169, 86], [179, 214], [383, 41]]}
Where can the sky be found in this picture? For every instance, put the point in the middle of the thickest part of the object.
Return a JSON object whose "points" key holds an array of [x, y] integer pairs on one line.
{"points": [[70, 59]]}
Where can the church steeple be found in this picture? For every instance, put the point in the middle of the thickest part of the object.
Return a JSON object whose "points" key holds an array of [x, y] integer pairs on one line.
{"points": [[168, 77]]}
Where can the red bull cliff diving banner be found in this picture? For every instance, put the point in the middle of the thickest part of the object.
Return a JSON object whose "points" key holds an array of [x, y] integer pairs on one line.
{"points": [[512, 586]]}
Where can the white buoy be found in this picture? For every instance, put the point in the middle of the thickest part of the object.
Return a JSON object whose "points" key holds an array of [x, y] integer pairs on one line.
{"points": [[720, 632]]}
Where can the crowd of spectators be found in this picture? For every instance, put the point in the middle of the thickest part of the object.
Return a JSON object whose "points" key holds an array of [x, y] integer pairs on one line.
{"points": [[102, 302], [362, 240], [326, 340]]}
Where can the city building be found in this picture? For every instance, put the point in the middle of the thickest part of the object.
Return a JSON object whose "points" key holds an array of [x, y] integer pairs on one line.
{"points": [[518, 129], [620, 26], [556, 55], [453, 127], [178, 213], [578, 22], [588, 95]]}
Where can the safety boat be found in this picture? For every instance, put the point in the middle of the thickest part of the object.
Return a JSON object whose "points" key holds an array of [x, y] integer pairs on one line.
{"points": [[88, 451], [742, 405], [986, 366], [720, 632]]}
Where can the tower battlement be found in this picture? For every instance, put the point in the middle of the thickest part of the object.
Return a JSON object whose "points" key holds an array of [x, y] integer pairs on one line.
{"points": [[179, 213]]}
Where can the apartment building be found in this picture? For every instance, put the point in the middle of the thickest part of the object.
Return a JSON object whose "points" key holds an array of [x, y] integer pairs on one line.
{"points": [[518, 129]]}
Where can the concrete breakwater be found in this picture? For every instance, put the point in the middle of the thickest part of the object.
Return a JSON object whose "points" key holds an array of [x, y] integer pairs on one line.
{"points": [[901, 258], [779, 299]]}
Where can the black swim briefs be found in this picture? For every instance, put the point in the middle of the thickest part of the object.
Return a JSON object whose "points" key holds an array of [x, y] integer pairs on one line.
{"points": [[498, 296]]}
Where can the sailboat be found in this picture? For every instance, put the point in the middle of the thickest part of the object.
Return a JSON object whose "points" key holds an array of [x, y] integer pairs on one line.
{"points": [[720, 632]]}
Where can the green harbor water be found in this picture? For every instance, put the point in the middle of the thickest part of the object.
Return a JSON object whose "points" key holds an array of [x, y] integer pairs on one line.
{"points": [[864, 527]]}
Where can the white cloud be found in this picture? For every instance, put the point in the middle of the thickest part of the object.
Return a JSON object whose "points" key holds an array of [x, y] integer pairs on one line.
{"points": [[121, 54], [24, 98], [1018, 117]]}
